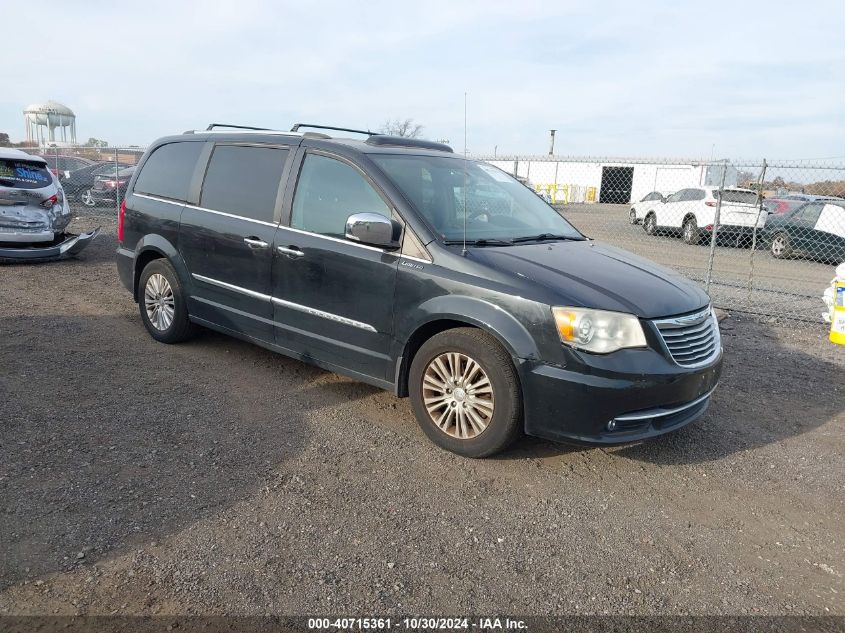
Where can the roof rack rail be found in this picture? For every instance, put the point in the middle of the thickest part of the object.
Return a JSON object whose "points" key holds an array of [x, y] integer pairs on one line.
{"points": [[296, 127], [384, 140], [211, 126]]}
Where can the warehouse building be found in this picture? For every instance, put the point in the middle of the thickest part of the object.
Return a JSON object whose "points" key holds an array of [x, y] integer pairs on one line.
{"points": [[612, 181]]}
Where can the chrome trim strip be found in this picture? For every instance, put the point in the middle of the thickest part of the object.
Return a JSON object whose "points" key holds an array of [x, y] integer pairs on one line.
{"points": [[335, 239], [230, 215], [287, 304], [157, 199], [663, 412], [325, 315], [416, 259], [232, 287], [196, 208]]}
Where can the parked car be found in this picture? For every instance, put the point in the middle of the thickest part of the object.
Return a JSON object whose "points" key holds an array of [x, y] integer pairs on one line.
{"points": [[815, 230], [34, 213], [103, 191], [60, 164], [808, 197], [77, 183], [357, 256], [692, 212], [779, 206], [638, 209]]}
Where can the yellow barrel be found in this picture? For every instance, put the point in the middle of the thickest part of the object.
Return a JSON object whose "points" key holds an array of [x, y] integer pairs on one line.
{"points": [[837, 320]]}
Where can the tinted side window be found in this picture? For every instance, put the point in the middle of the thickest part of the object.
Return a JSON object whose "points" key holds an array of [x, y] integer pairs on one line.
{"points": [[677, 196], [810, 214], [694, 194], [244, 181], [328, 192], [168, 171]]}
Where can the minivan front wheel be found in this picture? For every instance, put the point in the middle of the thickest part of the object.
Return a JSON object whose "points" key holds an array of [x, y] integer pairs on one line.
{"points": [[465, 393], [161, 301]]}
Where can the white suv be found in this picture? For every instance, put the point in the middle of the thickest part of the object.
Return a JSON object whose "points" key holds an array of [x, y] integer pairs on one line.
{"points": [[638, 209], [692, 212]]}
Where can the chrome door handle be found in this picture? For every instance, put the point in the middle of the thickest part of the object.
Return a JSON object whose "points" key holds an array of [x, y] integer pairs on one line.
{"points": [[254, 242], [290, 251]]}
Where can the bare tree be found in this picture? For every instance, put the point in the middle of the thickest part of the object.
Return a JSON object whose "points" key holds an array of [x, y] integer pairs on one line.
{"points": [[406, 128], [4, 140]]}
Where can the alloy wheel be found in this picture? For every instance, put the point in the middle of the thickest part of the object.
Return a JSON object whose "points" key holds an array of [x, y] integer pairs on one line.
{"points": [[87, 198], [458, 395], [778, 245], [159, 302]]}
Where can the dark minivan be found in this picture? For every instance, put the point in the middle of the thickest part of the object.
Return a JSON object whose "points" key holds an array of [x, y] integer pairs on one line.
{"points": [[406, 266]]}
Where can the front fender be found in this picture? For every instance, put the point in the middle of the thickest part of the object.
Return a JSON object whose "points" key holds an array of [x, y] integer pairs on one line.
{"points": [[488, 316]]}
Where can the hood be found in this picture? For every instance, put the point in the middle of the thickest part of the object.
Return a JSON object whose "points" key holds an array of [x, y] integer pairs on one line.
{"points": [[595, 275]]}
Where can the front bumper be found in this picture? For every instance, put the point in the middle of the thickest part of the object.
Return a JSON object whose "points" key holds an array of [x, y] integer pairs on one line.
{"points": [[72, 245], [600, 406]]}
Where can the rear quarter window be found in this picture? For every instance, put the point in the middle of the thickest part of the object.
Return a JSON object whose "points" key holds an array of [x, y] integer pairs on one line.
{"points": [[168, 171], [739, 197], [22, 174]]}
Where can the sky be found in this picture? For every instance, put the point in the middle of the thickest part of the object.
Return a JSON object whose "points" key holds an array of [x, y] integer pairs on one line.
{"points": [[740, 79]]}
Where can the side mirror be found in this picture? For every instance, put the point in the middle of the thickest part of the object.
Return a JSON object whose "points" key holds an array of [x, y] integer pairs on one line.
{"points": [[373, 229]]}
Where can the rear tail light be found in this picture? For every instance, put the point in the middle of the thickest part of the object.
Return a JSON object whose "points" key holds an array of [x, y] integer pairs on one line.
{"points": [[121, 216], [709, 227], [712, 203], [49, 202]]}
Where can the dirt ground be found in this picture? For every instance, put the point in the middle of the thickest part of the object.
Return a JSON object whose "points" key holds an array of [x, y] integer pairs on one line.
{"points": [[215, 477]]}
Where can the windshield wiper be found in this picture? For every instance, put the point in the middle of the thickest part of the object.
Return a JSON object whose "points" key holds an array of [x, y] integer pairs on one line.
{"points": [[547, 236], [490, 241]]}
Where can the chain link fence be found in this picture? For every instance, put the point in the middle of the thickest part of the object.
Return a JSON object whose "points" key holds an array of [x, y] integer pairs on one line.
{"points": [[761, 236]]}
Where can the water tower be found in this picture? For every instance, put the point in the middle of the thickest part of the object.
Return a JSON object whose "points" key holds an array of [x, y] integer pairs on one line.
{"points": [[42, 119]]}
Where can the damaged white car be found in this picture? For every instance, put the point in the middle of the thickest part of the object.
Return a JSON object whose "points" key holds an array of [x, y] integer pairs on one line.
{"points": [[34, 213]]}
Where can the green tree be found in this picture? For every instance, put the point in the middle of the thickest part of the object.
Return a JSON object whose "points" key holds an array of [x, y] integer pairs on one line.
{"points": [[95, 142], [4, 140]]}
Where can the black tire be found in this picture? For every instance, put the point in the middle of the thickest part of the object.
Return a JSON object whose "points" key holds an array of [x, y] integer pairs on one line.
{"points": [[180, 327], [650, 224], [632, 217], [690, 233], [781, 248], [504, 424]]}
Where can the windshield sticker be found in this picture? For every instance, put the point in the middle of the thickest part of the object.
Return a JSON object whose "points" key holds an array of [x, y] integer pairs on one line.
{"points": [[495, 173]]}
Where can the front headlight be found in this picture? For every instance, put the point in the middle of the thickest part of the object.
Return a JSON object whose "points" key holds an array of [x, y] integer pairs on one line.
{"points": [[598, 331]]}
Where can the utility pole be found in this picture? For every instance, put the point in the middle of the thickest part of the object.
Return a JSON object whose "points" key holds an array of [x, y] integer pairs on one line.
{"points": [[552, 145]]}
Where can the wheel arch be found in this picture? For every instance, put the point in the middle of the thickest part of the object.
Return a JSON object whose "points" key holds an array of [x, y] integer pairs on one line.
{"points": [[464, 312], [152, 247]]}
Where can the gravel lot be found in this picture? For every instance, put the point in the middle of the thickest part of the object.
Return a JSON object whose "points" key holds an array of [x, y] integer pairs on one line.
{"points": [[217, 477]]}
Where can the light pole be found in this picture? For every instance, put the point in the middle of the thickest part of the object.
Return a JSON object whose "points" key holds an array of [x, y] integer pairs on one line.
{"points": [[552, 144]]}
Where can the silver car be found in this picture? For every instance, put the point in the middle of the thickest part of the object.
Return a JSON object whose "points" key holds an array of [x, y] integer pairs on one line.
{"points": [[34, 213]]}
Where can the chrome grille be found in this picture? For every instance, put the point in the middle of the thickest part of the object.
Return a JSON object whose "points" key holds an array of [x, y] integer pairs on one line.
{"points": [[692, 339]]}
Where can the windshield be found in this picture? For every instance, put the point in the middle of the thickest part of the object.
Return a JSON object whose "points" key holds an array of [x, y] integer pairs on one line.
{"points": [[498, 206]]}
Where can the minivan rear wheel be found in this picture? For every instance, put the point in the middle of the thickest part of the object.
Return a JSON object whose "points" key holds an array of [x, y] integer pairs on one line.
{"points": [[161, 301], [465, 393]]}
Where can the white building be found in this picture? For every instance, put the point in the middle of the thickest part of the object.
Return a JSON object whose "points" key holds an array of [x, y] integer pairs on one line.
{"points": [[612, 180]]}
